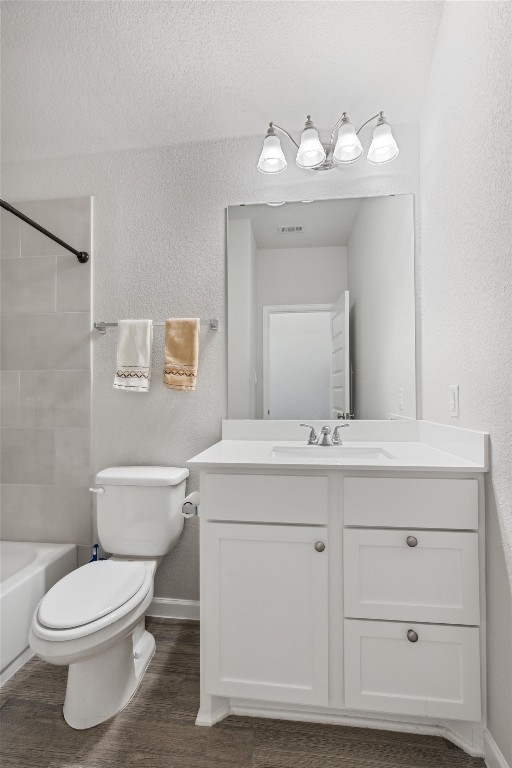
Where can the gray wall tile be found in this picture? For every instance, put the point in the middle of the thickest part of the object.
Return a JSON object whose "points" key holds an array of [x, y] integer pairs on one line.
{"points": [[10, 398], [10, 235], [72, 457], [46, 513], [73, 285], [28, 285], [59, 341], [28, 456], [55, 398], [69, 219]]}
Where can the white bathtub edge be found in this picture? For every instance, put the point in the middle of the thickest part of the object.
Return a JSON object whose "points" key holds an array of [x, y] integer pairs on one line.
{"points": [[15, 665]]}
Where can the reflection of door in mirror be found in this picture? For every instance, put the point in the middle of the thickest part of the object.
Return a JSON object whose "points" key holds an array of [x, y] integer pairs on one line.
{"points": [[297, 373]]}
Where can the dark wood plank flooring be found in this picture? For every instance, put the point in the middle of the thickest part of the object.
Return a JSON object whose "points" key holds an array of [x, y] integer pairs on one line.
{"points": [[156, 730]]}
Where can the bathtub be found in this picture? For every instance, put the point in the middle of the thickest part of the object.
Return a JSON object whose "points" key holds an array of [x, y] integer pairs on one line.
{"points": [[28, 571]]}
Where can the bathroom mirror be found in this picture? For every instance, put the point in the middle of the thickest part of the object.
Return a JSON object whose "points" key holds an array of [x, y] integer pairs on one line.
{"points": [[321, 313]]}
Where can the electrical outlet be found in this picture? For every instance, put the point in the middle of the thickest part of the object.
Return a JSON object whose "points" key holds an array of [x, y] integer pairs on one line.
{"points": [[401, 399], [454, 400]]}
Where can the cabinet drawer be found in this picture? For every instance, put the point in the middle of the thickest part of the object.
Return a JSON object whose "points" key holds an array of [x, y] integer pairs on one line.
{"points": [[390, 502], [265, 498], [436, 676], [435, 580]]}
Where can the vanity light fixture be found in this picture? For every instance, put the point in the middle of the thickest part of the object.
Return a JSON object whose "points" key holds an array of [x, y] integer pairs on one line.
{"points": [[312, 154]]}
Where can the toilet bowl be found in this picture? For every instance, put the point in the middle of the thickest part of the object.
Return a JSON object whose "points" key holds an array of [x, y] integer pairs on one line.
{"points": [[93, 618]]}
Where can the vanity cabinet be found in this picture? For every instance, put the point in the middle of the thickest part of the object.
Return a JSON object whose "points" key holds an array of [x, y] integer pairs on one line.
{"points": [[341, 594], [266, 613]]}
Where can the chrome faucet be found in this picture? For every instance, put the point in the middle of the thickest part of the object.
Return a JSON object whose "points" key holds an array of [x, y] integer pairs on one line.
{"points": [[336, 439], [325, 435], [313, 437]]}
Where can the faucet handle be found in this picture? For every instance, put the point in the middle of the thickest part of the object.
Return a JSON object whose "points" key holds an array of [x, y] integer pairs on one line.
{"points": [[313, 437], [335, 436]]}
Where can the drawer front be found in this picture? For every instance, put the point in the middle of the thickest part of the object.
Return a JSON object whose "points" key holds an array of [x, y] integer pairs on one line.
{"points": [[389, 502], [436, 676], [434, 580], [265, 498]]}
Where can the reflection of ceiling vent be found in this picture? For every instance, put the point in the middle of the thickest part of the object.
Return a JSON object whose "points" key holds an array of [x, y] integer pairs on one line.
{"points": [[289, 230]]}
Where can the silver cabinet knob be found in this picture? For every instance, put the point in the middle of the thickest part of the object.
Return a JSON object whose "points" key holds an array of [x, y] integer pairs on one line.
{"points": [[319, 546], [412, 636], [412, 541]]}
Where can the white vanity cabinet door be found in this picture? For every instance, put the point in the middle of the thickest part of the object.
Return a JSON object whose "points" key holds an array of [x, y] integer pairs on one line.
{"points": [[434, 580], [265, 591], [436, 676]]}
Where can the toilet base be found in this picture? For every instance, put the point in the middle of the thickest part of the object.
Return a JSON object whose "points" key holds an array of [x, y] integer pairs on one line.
{"points": [[100, 687]]}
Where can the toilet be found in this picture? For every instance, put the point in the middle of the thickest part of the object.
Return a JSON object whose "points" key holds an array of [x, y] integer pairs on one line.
{"points": [[92, 620]]}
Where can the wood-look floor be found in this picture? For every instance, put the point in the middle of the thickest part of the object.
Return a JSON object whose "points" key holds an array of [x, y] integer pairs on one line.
{"points": [[156, 730]]}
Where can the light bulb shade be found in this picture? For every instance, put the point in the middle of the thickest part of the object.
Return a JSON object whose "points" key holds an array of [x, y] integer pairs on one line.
{"points": [[272, 159], [383, 148], [310, 153], [348, 148]]}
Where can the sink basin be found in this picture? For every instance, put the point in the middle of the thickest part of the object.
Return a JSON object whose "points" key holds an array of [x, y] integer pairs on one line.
{"points": [[331, 452]]}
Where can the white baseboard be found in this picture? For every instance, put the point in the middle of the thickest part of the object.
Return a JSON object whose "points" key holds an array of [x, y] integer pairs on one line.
{"points": [[492, 753], [172, 608], [333, 717], [15, 665]]}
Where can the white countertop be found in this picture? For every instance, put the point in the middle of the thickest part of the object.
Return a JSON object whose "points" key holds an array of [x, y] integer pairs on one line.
{"points": [[408, 456]]}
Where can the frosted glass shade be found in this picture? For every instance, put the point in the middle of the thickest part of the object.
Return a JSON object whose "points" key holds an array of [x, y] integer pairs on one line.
{"points": [[272, 159], [383, 148], [310, 153], [348, 148]]}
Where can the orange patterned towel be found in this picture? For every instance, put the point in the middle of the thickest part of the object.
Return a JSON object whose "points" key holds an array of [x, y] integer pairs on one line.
{"points": [[181, 352]]}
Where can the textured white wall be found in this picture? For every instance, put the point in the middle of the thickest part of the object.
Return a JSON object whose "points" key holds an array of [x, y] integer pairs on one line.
{"points": [[381, 284], [159, 231], [466, 283]]}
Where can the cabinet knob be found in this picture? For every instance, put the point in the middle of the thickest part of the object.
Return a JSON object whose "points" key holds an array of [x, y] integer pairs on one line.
{"points": [[319, 546], [412, 636], [412, 541]]}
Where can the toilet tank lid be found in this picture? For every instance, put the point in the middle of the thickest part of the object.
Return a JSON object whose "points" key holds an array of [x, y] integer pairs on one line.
{"points": [[142, 476]]}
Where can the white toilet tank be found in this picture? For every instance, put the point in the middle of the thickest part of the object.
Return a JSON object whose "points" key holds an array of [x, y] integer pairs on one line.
{"points": [[139, 512]]}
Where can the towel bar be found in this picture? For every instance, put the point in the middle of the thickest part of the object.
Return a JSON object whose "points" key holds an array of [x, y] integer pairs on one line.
{"points": [[102, 326]]}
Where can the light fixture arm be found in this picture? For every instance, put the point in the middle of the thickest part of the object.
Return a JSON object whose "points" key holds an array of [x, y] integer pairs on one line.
{"points": [[381, 117], [271, 132]]}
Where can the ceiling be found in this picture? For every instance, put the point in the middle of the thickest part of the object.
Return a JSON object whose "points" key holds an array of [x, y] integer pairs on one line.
{"points": [[325, 222], [82, 77]]}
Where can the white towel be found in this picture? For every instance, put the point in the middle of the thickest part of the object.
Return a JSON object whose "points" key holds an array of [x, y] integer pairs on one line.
{"points": [[134, 342]]}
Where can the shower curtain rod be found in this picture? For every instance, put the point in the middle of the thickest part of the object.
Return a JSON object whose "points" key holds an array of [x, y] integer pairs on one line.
{"points": [[82, 256]]}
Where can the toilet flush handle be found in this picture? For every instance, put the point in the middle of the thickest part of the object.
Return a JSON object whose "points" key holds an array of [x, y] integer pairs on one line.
{"points": [[99, 490]]}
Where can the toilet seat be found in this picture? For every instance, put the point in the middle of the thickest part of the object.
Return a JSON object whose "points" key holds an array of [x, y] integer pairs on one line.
{"points": [[90, 592], [91, 598]]}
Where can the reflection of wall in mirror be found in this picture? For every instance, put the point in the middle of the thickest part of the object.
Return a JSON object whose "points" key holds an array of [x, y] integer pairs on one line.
{"points": [[381, 277], [241, 317]]}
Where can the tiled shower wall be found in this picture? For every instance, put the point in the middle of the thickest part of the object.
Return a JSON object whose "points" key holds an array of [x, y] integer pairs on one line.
{"points": [[45, 375]]}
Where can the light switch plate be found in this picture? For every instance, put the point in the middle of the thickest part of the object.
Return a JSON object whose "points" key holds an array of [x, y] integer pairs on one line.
{"points": [[454, 400]]}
